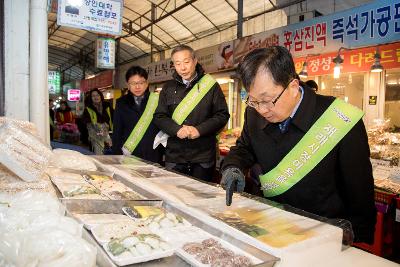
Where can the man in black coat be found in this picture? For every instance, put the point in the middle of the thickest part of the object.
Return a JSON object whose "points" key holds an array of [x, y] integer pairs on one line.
{"points": [[280, 112], [191, 147], [128, 110]]}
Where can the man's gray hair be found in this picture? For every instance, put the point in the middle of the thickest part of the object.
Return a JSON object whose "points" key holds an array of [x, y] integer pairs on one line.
{"points": [[183, 48]]}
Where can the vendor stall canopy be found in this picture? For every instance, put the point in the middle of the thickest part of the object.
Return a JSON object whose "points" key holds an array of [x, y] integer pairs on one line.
{"points": [[150, 27]]}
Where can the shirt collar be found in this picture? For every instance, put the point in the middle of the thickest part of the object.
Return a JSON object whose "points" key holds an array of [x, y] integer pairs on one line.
{"points": [[298, 103], [187, 82], [302, 113]]}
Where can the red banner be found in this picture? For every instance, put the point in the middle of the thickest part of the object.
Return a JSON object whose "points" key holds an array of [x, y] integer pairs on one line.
{"points": [[104, 79], [357, 60]]}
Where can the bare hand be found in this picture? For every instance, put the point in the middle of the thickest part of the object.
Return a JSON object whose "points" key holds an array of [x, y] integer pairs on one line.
{"points": [[183, 132], [194, 133]]}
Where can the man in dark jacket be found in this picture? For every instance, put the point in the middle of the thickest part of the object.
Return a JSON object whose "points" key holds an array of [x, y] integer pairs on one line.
{"points": [[129, 109], [280, 113], [191, 146]]}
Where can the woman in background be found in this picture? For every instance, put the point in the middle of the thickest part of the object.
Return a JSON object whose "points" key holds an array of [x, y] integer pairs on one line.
{"points": [[64, 114]]}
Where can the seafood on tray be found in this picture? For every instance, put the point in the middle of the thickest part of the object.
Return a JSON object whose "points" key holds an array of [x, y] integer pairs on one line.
{"points": [[211, 252], [138, 245]]}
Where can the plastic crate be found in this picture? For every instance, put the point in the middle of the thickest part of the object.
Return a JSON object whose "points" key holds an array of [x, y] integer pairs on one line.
{"points": [[383, 200]]}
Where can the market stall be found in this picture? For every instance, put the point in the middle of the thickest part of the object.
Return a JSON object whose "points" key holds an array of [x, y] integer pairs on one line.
{"points": [[118, 211]]}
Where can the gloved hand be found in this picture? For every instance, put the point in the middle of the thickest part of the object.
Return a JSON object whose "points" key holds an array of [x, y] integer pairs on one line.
{"points": [[232, 180]]}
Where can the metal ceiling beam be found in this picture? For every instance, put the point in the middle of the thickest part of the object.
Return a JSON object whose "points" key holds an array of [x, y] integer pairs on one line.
{"points": [[198, 10], [226, 1], [52, 29], [183, 25], [155, 25], [239, 31], [274, 9], [160, 18], [70, 46], [137, 47]]}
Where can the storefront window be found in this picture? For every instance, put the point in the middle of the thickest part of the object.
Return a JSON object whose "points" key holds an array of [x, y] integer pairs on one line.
{"points": [[349, 87], [392, 98]]}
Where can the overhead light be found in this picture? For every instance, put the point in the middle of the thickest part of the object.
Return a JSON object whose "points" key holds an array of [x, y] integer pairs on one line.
{"points": [[304, 73], [377, 66], [338, 64]]}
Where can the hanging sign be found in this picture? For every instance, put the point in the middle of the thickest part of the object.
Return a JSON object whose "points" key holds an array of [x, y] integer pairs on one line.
{"points": [[53, 82], [105, 53], [103, 16], [372, 100], [74, 95]]}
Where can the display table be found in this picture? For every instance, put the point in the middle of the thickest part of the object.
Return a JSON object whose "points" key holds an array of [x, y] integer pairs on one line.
{"points": [[355, 257]]}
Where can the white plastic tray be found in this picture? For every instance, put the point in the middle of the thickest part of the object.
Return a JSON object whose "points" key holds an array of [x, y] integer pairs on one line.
{"points": [[127, 260]]}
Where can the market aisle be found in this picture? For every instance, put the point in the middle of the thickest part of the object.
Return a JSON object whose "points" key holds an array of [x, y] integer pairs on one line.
{"points": [[81, 149]]}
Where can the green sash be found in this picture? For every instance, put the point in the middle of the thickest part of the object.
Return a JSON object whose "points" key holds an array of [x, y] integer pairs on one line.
{"points": [[322, 137], [142, 125], [93, 116], [186, 106]]}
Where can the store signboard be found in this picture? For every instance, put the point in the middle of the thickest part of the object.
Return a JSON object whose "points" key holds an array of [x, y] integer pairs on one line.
{"points": [[53, 82], [217, 57], [103, 16], [103, 79], [375, 23], [160, 71], [212, 59], [74, 95], [356, 60], [105, 53]]}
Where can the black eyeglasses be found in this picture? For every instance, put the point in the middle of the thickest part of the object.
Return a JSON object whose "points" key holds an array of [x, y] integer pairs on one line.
{"points": [[265, 104]]}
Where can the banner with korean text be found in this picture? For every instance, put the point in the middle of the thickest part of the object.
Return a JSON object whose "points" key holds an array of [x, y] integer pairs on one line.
{"points": [[103, 16], [371, 24], [357, 60]]}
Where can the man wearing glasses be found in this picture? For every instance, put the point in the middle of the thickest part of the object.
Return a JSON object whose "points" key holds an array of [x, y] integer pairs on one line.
{"points": [[134, 131], [312, 149]]}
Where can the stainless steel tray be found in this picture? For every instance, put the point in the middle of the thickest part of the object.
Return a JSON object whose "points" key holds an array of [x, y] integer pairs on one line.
{"points": [[115, 206]]}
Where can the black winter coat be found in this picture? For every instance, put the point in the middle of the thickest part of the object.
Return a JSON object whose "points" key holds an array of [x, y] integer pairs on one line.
{"points": [[101, 118], [340, 186], [209, 117], [127, 114]]}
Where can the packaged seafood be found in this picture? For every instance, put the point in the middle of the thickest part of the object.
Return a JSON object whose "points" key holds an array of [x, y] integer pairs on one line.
{"points": [[137, 248]]}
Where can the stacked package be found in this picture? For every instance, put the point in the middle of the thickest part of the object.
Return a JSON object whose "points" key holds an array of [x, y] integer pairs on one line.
{"points": [[35, 233], [22, 153]]}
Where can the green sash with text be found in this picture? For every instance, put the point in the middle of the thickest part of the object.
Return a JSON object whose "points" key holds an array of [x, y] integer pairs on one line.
{"points": [[142, 125], [190, 101], [320, 139]]}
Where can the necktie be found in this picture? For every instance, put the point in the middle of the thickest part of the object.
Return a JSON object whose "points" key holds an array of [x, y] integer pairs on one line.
{"points": [[284, 126], [138, 100]]}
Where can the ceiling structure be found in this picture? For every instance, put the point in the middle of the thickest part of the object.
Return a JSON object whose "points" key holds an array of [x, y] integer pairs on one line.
{"points": [[150, 26]]}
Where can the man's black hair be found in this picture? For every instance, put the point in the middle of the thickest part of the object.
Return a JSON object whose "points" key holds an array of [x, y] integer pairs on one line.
{"points": [[275, 59], [136, 70], [312, 84]]}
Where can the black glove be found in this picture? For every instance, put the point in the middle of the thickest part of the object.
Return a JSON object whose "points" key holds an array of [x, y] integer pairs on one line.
{"points": [[232, 180]]}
